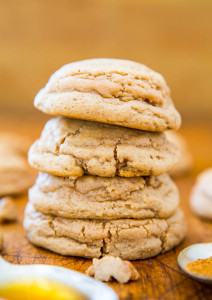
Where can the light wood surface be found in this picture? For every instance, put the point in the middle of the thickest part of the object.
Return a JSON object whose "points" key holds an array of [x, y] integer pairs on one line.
{"points": [[160, 276]]}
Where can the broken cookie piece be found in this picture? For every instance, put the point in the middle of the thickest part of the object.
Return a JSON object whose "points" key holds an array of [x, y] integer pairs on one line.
{"points": [[109, 267], [8, 211]]}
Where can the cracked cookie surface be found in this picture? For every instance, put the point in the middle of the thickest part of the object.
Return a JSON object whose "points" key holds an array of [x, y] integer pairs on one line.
{"points": [[114, 91], [128, 239], [69, 147], [93, 197]]}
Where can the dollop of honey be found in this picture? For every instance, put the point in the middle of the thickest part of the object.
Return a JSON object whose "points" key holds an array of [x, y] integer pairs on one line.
{"points": [[39, 289]]}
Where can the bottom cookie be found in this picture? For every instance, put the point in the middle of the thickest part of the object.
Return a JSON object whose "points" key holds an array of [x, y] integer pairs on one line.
{"points": [[126, 238]]}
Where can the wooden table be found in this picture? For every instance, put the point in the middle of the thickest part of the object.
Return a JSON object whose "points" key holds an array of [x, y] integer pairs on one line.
{"points": [[160, 276]]}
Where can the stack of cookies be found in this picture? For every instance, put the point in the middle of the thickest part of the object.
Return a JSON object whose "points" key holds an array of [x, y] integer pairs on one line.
{"points": [[103, 186]]}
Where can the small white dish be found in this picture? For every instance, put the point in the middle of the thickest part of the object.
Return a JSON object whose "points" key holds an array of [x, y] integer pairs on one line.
{"points": [[192, 253]]}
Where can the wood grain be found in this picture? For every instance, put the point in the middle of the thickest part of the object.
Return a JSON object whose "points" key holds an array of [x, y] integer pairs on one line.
{"points": [[160, 276]]}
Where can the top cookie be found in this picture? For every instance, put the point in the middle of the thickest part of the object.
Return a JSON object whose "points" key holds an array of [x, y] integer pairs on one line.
{"points": [[113, 91]]}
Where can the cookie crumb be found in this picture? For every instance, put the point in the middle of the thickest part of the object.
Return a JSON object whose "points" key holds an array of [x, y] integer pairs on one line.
{"points": [[109, 267], [8, 211]]}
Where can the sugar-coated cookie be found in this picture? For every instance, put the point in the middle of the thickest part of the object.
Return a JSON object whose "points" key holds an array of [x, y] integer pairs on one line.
{"points": [[127, 239], [69, 147], [113, 91], [93, 197]]}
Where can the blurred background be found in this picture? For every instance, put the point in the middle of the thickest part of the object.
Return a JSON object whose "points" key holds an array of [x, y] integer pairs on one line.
{"points": [[172, 37]]}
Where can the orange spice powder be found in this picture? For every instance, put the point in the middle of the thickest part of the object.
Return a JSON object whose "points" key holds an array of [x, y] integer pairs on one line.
{"points": [[201, 267]]}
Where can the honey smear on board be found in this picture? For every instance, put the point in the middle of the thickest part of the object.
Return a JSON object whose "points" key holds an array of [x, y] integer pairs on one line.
{"points": [[39, 289]]}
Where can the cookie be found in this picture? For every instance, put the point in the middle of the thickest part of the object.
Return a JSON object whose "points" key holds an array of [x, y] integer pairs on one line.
{"points": [[113, 91], [69, 147], [128, 239], [18, 142], [91, 197], [8, 210], [201, 196], [109, 267], [15, 174], [185, 161]]}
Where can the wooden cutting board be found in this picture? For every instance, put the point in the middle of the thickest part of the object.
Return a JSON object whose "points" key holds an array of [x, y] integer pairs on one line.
{"points": [[160, 277]]}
